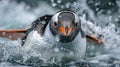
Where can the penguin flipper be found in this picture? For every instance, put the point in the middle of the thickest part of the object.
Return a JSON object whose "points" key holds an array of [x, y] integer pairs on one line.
{"points": [[12, 34], [38, 24], [93, 40]]}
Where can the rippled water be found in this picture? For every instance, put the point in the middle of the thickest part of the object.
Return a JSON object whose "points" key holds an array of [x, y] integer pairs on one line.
{"points": [[15, 15]]}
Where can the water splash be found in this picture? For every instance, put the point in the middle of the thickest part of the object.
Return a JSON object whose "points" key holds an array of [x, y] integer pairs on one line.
{"points": [[13, 14]]}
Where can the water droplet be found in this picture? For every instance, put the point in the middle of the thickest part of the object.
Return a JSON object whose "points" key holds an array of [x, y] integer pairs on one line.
{"points": [[45, 17], [67, 5], [54, 4], [27, 7], [59, 1], [3, 33], [74, 3], [97, 9], [71, 53], [56, 49], [61, 48], [116, 20], [57, 38], [110, 18], [43, 22], [109, 3], [42, 25], [62, 6]]}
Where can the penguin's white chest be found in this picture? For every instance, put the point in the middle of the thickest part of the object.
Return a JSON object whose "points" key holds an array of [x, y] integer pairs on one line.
{"points": [[51, 49]]}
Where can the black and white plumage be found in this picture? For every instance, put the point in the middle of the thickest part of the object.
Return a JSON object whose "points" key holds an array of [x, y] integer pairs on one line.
{"points": [[57, 38]]}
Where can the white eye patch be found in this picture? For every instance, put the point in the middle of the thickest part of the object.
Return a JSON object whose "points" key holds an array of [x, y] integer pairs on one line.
{"points": [[55, 16]]}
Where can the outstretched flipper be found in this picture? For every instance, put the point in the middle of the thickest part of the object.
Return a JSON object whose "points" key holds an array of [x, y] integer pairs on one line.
{"points": [[13, 34], [93, 40]]}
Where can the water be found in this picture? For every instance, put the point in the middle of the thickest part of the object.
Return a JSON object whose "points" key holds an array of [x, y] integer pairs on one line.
{"points": [[103, 24]]}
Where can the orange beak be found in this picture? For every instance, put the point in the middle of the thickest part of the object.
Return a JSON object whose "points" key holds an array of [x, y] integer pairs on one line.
{"points": [[65, 31]]}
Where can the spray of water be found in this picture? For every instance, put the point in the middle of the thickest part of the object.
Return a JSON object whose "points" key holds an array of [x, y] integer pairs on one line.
{"points": [[15, 15]]}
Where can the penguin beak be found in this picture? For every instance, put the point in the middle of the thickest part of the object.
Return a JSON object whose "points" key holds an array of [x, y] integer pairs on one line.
{"points": [[66, 30]]}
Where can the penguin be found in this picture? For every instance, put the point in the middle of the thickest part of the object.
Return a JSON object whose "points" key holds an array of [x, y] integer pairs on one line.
{"points": [[55, 38]]}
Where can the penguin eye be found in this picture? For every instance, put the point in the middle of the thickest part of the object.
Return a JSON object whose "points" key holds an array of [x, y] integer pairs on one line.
{"points": [[55, 23], [76, 24]]}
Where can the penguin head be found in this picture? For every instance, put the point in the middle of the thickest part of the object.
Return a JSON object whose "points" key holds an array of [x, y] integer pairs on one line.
{"points": [[66, 25]]}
